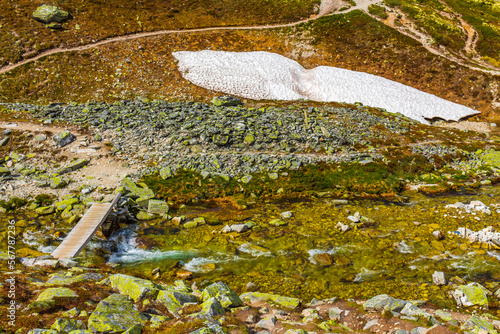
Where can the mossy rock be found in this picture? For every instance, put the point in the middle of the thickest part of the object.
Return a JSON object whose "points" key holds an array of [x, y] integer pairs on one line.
{"points": [[226, 101], [478, 325], [134, 191], [42, 331], [384, 302], [66, 203], [212, 308], [115, 313], [142, 215], [4, 171], [57, 182], [135, 288], [56, 293], [278, 222], [45, 210], [492, 158], [158, 207], [256, 297], [475, 293]]}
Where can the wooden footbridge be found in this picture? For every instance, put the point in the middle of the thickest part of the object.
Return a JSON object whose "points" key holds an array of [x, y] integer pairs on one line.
{"points": [[85, 229]]}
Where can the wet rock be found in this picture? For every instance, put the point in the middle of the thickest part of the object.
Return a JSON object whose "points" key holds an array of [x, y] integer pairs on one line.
{"points": [[158, 207], [115, 313], [135, 288], [256, 297], [223, 293], [64, 138], [286, 215], [60, 206], [384, 302], [439, 278], [67, 325], [226, 101]]}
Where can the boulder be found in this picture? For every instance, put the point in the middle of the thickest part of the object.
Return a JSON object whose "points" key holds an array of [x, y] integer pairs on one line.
{"points": [[438, 278], [385, 302], [134, 191], [478, 325], [50, 14], [413, 311], [173, 300], [157, 207], [63, 138], [135, 288], [256, 297], [62, 325], [471, 294], [223, 293], [50, 298], [212, 308], [115, 313]]}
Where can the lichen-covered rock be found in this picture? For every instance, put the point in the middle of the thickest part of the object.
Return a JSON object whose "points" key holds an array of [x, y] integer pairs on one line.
{"points": [[81, 331], [295, 331], [53, 293], [142, 215], [223, 293], [255, 297], [385, 302], [158, 207], [57, 182], [77, 164], [62, 325], [173, 300], [63, 279], [157, 320], [226, 101], [446, 317], [165, 173], [42, 331], [472, 294], [134, 191], [135, 288], [115, 313], [135, 329], [190, 224], [63, 138], [479, 325], [212, 308]]}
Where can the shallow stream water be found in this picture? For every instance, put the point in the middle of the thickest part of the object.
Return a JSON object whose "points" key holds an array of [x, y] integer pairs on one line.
{"points": [[397, 255]]}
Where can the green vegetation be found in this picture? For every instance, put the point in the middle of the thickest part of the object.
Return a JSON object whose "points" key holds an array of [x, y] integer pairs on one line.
{"points": [[377, 11], [13, 204]]}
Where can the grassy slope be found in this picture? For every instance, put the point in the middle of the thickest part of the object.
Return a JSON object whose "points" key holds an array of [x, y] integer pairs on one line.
{"points": [[21, 36], [354, 41]]}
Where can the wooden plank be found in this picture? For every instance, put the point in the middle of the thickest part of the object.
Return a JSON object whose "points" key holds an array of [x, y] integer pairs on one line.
{"points": [[80, 235]]}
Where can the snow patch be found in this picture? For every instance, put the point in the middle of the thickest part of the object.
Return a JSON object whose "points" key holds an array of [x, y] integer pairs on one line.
{"points": [[269, 76]]}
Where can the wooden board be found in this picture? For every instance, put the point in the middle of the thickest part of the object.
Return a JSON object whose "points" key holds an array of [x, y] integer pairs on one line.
{"points": [[80, 235]]}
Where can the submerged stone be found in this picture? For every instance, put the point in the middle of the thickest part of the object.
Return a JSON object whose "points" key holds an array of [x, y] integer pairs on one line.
{"points": [[115, 313]]}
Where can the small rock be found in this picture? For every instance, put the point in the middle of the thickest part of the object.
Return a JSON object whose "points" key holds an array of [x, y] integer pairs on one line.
{"points": [[226, 101], [4, 141], [438, 278], [438, 235], [64, 138], [286, 215], [240, 228], [50, 14], [267, 323]]}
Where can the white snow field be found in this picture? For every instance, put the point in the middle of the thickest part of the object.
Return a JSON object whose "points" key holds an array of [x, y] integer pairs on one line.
{"points": [[270, 76]]}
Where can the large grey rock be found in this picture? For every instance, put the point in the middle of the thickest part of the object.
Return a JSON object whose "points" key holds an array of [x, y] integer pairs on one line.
{"points": [[413, 311], [385, 302], [223, 293], [49, 14], [116, 313], [135, 288]]}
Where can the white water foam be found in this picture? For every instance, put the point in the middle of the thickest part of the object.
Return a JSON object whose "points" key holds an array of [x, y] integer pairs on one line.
{"points": [[198, 264], [270, 76]]}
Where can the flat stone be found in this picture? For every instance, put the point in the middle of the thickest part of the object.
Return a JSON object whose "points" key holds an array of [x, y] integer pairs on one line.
{"points": [[77, 164], [277, 222], [240, 228], [385, 302], [4, 171]]}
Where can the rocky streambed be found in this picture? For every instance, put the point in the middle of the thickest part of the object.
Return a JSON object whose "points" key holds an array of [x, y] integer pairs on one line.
{"points": [[302, 201]]}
